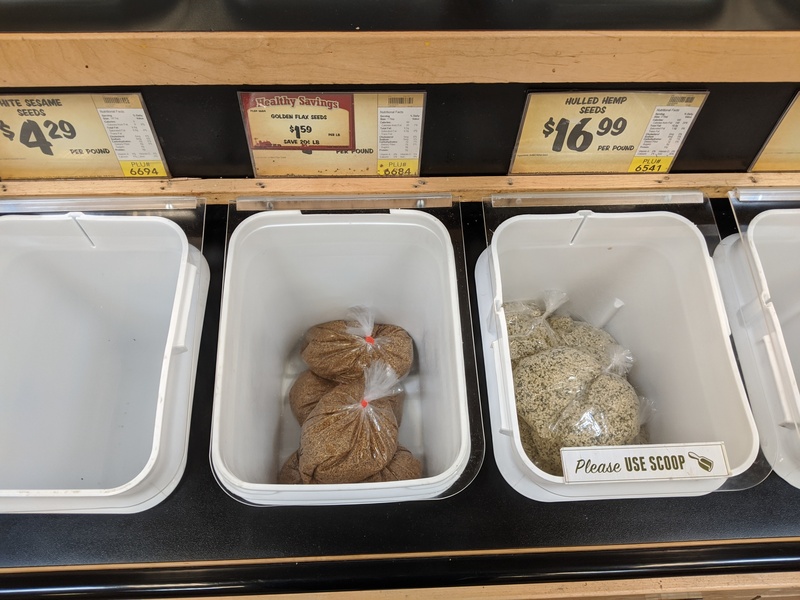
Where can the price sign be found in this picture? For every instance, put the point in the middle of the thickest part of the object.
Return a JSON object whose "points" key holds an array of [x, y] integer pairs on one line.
{"points": [[604, 132], [781, 152], [299, 121], [323, 134], [77, 135]]}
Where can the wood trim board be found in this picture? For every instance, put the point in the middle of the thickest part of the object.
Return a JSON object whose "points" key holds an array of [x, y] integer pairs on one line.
{"points": [[760, 586], [33, 60], [495, 552], [459, 189]]}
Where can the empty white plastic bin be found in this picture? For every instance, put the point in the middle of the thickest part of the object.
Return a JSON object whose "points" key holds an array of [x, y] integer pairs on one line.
{"points": [[286, 272], [648, 280], [100, 320], [760, 280]]}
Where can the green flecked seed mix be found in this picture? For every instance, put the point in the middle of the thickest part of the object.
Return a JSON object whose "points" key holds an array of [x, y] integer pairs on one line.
{"points": [[567, 392]]}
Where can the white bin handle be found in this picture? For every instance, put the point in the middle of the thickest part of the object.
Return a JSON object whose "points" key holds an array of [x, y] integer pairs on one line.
{"points": [[787, 419], [717, 291], [184, 309], [502, 390]]}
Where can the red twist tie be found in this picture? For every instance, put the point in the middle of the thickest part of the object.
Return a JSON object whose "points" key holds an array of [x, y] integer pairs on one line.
{"points": [[364, 403], [369, 339]]}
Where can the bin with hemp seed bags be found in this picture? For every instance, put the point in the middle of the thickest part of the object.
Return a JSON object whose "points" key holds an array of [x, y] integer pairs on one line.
{"points": [[645, 280]]}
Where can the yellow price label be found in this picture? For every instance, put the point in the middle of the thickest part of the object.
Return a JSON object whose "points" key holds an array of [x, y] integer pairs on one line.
{"points": [[143, 168], [75, 135], [398, 168], [603, 131], [650, 164]]}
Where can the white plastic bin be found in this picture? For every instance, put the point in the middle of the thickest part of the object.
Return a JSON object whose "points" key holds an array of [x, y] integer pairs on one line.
{"points": [[286, 272], [100, 320], [760, 280], [648, 280]]}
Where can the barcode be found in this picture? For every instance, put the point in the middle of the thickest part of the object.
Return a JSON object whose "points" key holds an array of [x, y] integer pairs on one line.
{"points": [[401, 100], [116, 100], [680, 99]]}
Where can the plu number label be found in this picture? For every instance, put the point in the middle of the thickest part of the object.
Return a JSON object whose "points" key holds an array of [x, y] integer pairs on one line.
{"points": [[604, 132], [77, 135], [644, 463]]}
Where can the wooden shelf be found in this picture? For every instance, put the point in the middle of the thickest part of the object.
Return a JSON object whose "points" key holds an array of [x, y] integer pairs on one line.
{"points": [[360, 58], [462, 189]]}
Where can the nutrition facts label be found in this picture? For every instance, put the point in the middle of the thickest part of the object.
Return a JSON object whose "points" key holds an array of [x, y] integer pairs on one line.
{"points": [[130, 133], [666, 131], [399, 132]]}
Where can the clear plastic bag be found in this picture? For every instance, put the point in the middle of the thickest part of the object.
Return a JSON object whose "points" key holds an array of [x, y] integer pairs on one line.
{"points": [[351, 434], [576, 393], [289, 473], [403, 466], [306, 392], [545, 384], [308, 389], [529, 331], [593, 340], [607, 413], [341, 350]]}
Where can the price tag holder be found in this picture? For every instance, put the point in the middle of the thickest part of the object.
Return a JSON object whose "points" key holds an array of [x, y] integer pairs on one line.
{"points": [[781, 152], [311, 134], [604, 132], [644, 463], [57, 136]]}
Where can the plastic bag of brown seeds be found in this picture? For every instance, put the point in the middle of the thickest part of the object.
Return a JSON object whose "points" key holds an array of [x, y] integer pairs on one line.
{"points": [[289, 473], [305, 392], [351, 434], [402, 467], [308, 388], [341, 350]]}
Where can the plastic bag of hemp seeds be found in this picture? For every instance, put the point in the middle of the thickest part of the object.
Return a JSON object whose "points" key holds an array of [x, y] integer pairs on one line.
{"points": [[341, 350], [545, 384], [351, 434], [593, 340], [608, 413], [529, 330]]}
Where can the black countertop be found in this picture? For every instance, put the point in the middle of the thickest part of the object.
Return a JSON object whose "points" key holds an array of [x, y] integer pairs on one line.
{"points": [[488, 533]]}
